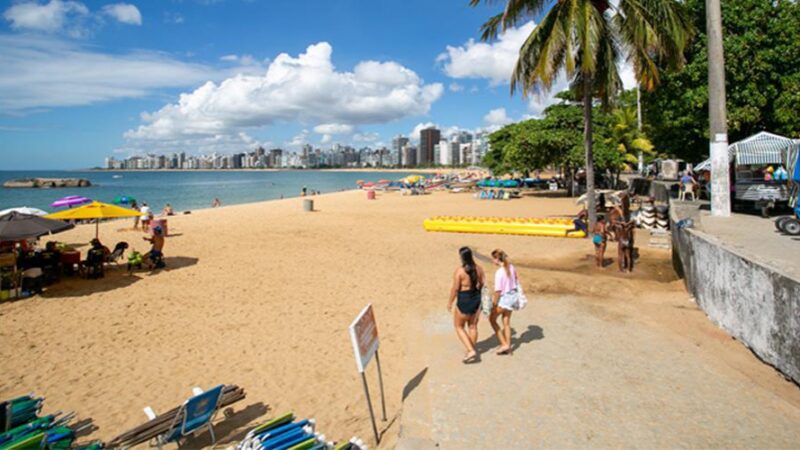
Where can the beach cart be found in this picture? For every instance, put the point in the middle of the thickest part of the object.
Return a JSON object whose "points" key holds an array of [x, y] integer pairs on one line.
{"points": [[753, 161]]}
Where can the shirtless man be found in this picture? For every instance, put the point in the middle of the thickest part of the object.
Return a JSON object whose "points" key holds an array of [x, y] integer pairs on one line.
{"points": [[599, 237], [155, 255]]}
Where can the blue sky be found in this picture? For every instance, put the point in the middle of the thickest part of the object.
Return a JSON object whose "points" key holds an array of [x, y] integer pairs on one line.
{"points": [[82, 80]]}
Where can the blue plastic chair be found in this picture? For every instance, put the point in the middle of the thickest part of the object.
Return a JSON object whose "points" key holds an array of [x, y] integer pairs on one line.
{"points": [[194, 414]]}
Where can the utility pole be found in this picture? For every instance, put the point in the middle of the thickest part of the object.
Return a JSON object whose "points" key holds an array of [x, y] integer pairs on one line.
{"points": [[718, 126], [639, 123]]}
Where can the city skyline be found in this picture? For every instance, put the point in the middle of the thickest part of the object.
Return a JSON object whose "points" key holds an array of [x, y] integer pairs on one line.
{"points": [[463, 148]]}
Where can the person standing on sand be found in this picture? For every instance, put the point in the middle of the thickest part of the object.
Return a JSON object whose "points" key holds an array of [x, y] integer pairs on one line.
{"points": [[145, 216], [505, 299], [135, 207], [468, 281], [599, 238]]}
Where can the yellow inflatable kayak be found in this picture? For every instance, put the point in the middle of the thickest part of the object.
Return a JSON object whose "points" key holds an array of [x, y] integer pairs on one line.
{"points": [[504, 225]]}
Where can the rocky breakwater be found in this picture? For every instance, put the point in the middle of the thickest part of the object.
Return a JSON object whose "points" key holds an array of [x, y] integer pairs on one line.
{"points": [[47, 183]]}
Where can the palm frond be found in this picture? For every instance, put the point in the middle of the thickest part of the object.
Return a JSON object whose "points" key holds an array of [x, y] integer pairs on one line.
{"points": [[514, 13]]}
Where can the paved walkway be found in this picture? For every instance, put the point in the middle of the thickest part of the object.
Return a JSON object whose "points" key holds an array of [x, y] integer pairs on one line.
{"points": [[752, 236], [591, 373]]}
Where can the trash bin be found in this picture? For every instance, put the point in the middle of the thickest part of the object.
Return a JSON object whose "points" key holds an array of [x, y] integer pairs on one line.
{"points": [[308, 205], [370, 195]]}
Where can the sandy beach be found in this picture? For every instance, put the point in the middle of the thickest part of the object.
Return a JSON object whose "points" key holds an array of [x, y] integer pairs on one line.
{"points": [[261, 295]]}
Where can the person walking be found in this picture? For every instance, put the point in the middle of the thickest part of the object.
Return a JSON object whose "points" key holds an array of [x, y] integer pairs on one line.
{"points": [[505, 299], [145, 210], [468, 280]]}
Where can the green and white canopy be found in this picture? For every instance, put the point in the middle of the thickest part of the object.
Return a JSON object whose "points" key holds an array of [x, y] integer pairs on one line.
{"points": [[760, 149]]}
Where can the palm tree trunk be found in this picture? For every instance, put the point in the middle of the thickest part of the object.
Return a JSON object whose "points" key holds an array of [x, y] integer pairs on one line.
{"points": [[587, 144]]}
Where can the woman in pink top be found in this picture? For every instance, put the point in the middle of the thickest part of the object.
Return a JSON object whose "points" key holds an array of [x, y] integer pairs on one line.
{"points": [[504, 299]]}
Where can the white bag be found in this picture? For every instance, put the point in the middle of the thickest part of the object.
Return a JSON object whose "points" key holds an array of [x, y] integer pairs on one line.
{"points": [[486, 301], [522, 301]]}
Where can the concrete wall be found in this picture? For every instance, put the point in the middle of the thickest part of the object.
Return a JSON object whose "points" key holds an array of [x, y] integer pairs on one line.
{"points": [[757, 305]]}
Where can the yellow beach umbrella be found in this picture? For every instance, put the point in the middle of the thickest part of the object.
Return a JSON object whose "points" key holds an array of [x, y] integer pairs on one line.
{"points": [[95, 210]]}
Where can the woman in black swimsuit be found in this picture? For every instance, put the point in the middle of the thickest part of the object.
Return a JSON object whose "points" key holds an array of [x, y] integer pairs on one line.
{"points": [[468, 281]]}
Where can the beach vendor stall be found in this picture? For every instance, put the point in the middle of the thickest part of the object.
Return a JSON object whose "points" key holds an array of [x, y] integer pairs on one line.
{"points": [[758, 168]]}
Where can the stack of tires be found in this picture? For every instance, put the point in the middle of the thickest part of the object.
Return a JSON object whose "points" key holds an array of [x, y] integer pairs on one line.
{"points": [[647, 217], [662, 217]]}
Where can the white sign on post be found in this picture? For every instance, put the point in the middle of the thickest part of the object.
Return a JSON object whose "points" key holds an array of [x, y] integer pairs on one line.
{"points": [[364, 336]]}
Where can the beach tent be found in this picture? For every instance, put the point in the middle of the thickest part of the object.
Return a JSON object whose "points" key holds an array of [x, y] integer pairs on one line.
{"points": [[24, 210], [16, 226], [96, 211], [759, 149]]}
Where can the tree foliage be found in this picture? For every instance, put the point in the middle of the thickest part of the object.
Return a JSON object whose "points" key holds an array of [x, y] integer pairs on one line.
{"points": [[555, 140], [762, 78]]}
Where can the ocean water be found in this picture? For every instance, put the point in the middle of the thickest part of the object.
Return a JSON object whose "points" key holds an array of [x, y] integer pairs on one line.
{"points": [[184, 190]]}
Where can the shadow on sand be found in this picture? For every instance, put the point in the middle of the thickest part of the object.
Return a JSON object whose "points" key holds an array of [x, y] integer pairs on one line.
{"points": [[116, 277], [229, 430], [413, 383], [533, 333]]}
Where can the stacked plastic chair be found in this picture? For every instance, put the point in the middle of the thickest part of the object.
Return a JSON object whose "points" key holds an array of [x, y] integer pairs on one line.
{"points": [[21, 427], [287, 433]]}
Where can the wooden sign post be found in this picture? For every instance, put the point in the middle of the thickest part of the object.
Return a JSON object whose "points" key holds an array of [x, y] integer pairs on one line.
{"points": [[364, 337]]}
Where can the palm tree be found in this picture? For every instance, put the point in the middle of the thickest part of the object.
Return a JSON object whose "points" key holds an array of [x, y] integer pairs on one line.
{"points": [[584, 39], [628, 139]]}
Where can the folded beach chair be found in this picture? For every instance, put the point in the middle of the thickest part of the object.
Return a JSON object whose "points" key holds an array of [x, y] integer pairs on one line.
{"points": [[194, 414], [172, 425]]}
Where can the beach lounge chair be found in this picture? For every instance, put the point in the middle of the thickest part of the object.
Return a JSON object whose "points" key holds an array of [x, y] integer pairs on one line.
{"points": [[194, 414], [118, 253]]}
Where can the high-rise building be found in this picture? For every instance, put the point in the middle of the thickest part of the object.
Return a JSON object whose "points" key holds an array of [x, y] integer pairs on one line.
{"points": [[455, 153], [399, 143], [445, 155], [275, 157], [428, 137], [409, 156]]}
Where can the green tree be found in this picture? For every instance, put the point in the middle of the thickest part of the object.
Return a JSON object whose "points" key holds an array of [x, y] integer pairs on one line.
{"points": [[555, 140], [627, 139], [761, 72], [583, 38]]}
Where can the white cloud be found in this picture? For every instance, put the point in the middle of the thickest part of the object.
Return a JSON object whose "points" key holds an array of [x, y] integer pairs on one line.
{"points": [[231, 58], [326, 138], [51, 17], [124, 13], [494, 61], [298, 140], [171, 17], [366, 137], [40, 72], [497, 117], [455, 87], [333, 128], [306, 88]]}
